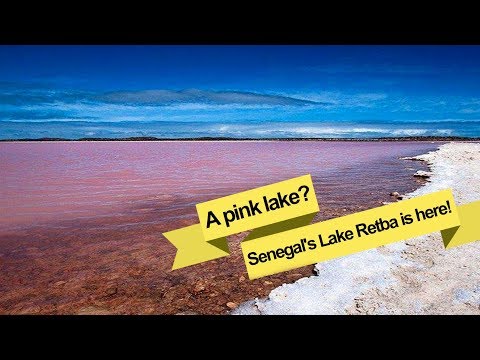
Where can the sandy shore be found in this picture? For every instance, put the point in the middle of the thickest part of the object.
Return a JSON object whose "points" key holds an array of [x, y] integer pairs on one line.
{"points": [[417, 276]]}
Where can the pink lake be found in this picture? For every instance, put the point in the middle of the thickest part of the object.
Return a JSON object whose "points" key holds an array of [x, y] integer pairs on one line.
{"points": [[81, 222], [45, 183]]}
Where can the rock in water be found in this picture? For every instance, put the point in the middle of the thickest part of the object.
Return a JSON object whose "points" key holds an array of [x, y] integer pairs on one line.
{"points": [[232, 305], [199, 287], [423, 174]]}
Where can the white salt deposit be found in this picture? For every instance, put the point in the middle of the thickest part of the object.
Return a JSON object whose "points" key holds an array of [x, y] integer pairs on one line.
{"points": [[417, 276]]}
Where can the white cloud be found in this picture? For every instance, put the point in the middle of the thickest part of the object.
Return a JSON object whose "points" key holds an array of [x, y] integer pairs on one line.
{"points": [[195, 96], [469, 111], [337, 99]]}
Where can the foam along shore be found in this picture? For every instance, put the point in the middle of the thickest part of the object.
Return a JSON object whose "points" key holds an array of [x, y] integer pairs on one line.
{"points": [[417, 276]]}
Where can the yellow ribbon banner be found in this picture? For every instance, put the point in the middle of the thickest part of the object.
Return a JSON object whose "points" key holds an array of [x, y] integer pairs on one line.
{"points": [[282, 240]]}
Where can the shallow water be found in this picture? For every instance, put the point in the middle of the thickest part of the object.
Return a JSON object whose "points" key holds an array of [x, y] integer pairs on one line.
{"points": [[81, 222]]}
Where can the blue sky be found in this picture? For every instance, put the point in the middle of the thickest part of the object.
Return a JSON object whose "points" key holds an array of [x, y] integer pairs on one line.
{"points": [[176, 85]]}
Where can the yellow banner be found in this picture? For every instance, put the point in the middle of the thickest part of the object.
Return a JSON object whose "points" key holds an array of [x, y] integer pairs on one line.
{"points": [[286, 204], [282, 240]]}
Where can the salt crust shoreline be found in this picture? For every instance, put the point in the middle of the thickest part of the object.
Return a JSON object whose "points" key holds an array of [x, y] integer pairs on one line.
{"points": [[417, 276]]}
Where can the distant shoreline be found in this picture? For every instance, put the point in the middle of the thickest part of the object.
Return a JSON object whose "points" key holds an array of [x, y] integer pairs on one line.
{"points": [[405, 138]]}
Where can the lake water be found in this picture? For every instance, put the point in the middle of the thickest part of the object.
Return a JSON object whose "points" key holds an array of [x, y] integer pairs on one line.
{"points": [[81, 222]]}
